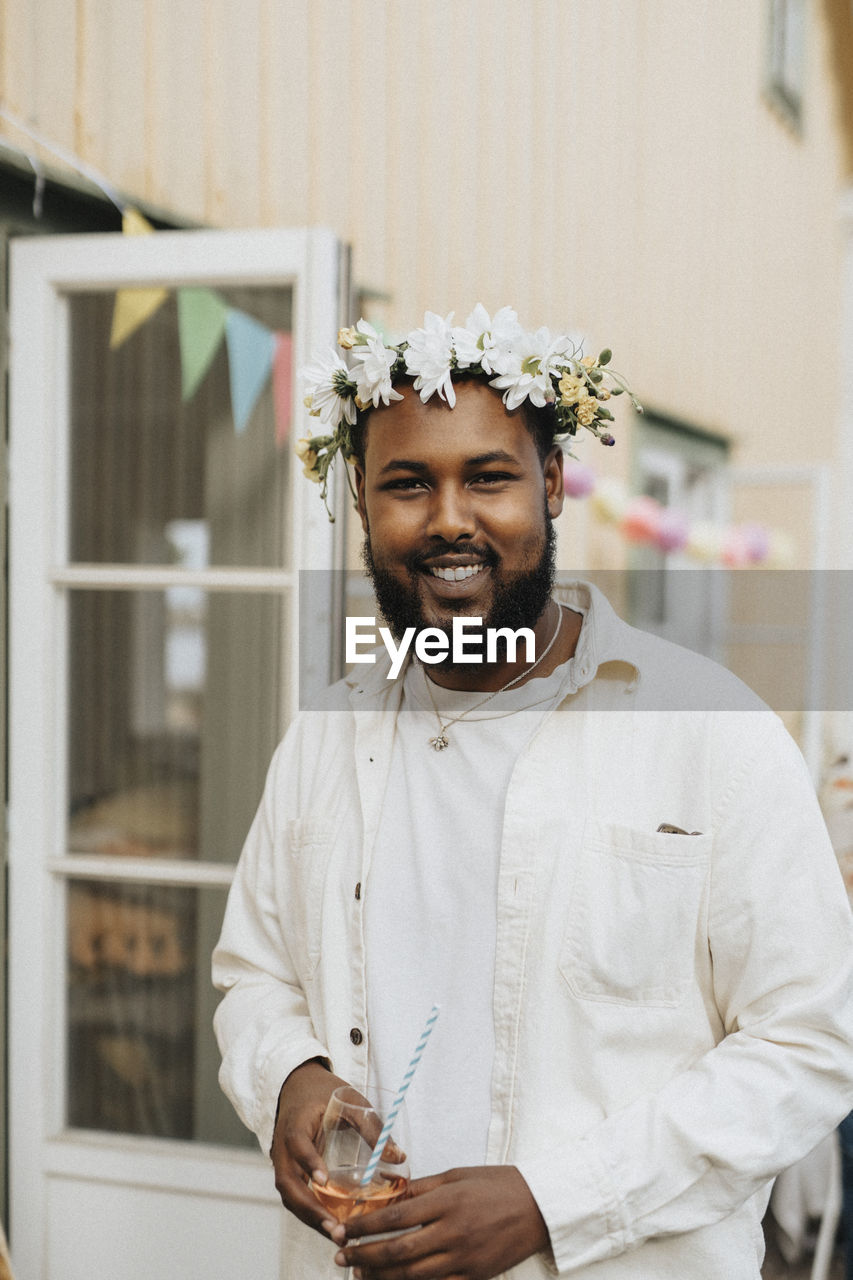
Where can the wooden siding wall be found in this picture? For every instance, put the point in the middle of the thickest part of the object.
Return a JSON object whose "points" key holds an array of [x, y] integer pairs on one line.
{"points": [[611, 165]]}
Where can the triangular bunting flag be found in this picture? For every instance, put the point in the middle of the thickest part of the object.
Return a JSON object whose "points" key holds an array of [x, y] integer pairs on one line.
{"points": [[251, 346], [282, 385], [201, 324], [134, 306], [134, 224]]}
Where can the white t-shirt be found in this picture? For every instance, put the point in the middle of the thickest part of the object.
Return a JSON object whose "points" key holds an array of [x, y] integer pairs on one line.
{"points": [[430, 908]]}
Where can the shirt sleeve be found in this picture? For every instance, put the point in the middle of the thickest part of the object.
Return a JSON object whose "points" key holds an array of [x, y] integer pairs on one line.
{"points": [[262, 1025], [781, 942]]}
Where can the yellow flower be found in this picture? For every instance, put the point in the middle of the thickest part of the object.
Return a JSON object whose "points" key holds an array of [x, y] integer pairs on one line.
{"points": [[306, 454], [362, 404], [588, 362], [311, 473], [570, 389], [602, 393], [585, 411], [347, 338]]}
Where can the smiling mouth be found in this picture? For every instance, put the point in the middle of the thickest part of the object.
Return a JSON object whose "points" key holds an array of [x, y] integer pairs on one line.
{"points": [[457, 573]]}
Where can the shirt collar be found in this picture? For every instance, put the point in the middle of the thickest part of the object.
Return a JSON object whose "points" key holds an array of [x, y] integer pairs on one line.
{"points": [[604, 638]]}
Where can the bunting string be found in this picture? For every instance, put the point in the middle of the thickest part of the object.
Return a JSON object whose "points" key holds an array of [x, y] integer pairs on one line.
{"points": [[641, 519], [67, 157], [256, 353]]}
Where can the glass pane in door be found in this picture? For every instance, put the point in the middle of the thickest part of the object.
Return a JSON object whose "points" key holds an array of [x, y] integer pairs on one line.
{"points": [[145, 461], [174, 712], [141, 1055]]}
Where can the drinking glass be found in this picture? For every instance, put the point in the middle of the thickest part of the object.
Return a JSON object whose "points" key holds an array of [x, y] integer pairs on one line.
{"points": [[352, 1124]]}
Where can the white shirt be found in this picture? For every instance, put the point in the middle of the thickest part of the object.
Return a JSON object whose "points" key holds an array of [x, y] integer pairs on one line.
{"points": [[672, 1013], [430, 918]]}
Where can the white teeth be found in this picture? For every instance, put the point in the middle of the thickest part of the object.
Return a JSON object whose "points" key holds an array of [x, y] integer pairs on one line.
{"points": [[457, 575]]}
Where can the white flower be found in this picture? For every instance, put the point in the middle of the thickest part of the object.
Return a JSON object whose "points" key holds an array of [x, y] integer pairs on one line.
{"points": [[487, 342], [466, 339], [428, 357], [374, 362], [534, 359], [367, 331], [324, 382], [465, 346]]}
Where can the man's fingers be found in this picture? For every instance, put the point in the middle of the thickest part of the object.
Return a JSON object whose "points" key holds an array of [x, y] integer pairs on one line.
{"points": [[301, 1150], [302, 1100], [419, 1186], [392, 1154], [369, 1123], [475, 1222], [410, 1211], [398, 1256], [298, 1197], [399, 1216]]}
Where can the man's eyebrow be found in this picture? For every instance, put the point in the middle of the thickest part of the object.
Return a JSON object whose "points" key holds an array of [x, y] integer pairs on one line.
{"points": [[495, 455], [405, 464], [422, 469]]}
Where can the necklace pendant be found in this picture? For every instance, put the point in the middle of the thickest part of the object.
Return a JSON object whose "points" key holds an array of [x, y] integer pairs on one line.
{"points": [[440, 742]]}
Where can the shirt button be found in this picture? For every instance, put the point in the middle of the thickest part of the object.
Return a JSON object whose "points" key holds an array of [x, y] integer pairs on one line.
{"points": [[356, 1036], [358, 892]]}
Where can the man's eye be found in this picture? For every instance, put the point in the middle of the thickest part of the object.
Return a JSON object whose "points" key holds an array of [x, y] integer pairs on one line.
{"points": [[492, 477], [405, 483]]}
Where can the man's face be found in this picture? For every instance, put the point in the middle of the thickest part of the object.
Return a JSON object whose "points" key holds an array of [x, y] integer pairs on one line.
{"points": [[457, 509]]}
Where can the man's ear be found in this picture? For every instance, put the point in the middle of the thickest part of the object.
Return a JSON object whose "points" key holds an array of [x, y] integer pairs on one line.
{"points": [[359, 494], [554, 481]]}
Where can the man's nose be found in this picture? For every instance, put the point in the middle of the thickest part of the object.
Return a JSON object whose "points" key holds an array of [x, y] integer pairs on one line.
{"points": [[451, 514]]}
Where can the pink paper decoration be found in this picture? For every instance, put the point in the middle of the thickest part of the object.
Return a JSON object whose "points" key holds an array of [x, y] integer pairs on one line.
{"points": [[282, 385], [756, 541], [673, 530], [641, 520], [578, 480], [735, 552]]}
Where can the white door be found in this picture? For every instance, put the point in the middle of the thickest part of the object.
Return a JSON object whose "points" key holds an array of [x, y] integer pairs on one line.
{"points": [[158, 530]]}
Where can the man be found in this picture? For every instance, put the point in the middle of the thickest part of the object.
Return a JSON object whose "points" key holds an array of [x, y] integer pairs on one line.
{"points": [[605, 864]]}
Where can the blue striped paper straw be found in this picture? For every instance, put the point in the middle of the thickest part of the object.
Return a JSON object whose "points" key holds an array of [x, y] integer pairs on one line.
{"points": [[398, 1101]]}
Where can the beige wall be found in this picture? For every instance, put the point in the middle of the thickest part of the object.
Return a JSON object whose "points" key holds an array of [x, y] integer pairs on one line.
{"points": [[606, 164]]}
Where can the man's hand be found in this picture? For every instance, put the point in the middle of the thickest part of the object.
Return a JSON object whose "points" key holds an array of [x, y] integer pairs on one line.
{"points": [[294, 1153], [474, 1224]]}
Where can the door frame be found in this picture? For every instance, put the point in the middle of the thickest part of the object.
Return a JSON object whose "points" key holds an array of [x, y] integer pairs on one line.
{"points": [[67, 206], [44, 271]]}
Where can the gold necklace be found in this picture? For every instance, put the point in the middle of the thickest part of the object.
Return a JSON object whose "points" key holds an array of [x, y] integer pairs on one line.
{"points": [[441, 741]]}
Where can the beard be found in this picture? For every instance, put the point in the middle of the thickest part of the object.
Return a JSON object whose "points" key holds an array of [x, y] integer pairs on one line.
{"points": [[517, 601]]}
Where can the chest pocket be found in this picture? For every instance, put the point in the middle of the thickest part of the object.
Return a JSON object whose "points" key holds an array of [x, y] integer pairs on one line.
{"points": [[633, 915], [309, 844]]}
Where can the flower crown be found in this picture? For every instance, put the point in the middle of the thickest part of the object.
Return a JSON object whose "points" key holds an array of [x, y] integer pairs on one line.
{"points": [[523, 365]]}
